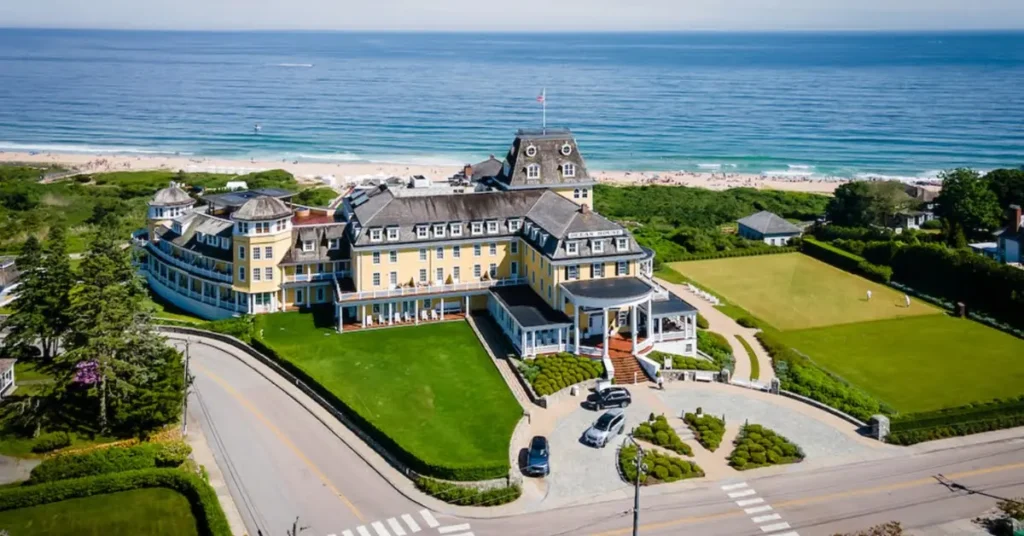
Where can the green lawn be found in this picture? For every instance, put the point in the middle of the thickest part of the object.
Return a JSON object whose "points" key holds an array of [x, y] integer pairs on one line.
{"points": [[431, 388], [921, 363], [794, 291], [755, 366], [153, 511], [164, 309]]}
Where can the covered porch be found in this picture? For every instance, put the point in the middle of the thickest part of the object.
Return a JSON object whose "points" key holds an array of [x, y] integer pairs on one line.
{"points": [[401, 312], [532, 325]]}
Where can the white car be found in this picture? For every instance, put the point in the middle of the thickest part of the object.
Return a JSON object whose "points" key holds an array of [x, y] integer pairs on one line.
{"points": [[612, 423]]}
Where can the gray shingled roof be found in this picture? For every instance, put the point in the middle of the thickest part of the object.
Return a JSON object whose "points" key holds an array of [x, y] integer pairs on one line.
{"points": [[548, 145], [766, 222], [488, 168], [262, 208], [611, 288], [560, 217], [674, 305], [529, 309], [172, 196], [321, 236], [189, 240]]}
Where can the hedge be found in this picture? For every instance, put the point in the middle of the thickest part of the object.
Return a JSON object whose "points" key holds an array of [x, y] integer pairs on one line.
{"points": [[757, 446], [846, 260], [210, 519], [449, 470], [468, 496], [718, 347], [50, 442], [657, 431], [111, 460], [798, 374], [550, 374], [682, 362], [708, 429], [962, 420], [660, 467], [738, 252], [702, 322]]}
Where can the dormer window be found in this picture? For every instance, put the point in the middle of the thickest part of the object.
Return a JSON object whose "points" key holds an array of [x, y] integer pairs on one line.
{"points": [[527, 226], [533, 171], [492, 227], [333, 243], [568, 169], [477, 227], [531, 151], [513, 225], [456, 229], [621, 244], [422, 231], [439, 230], [566, 149], [572, 248], [543, 238], [307, 245], [392, 233], [597, 246], [375, 235], [533, 233]]}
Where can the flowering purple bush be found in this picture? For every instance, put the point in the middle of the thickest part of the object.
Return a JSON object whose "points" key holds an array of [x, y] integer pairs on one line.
{"points": [[87, 372]]}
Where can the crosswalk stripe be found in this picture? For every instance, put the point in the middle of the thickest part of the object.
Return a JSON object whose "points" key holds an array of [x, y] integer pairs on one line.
{"points": [[790, 533], [757, 509], [396, 527], [744, 493], [453, 528], [379, 528], [464, 534], [731, 487], [762, 519], [748, 502], [346, 533], [429, 518], [361, 529], [775, 527], [410, 522]]}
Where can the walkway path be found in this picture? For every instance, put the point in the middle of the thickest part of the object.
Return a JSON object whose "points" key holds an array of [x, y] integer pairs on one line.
{"points": [[720, 323]]}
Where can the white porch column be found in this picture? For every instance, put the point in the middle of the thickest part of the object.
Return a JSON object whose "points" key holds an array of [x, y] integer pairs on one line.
{"points": [[307, 295], [650, 315], [604, 332], [390, 314], [576, 328], [522, 343], [559, 335], [341, 317], [466, 309], [416, 310], [533, 342], [252, 303], [632, 317], [442, 308], [362, 314]]}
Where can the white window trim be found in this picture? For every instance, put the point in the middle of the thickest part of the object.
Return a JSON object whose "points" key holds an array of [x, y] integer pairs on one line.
{"points": [[375, 235], [439, 230], [307, 245], [392, 233], [533, 171], [456, 229], [422, 231], [492, 227], [477, 228], [569, 169], [572, 248], [621, 244], [597, 246]]}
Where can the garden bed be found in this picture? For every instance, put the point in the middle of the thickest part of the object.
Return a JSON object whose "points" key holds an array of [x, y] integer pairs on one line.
{"points": [[660, 467], [707, 428], [682, 362], [757, 446], [656, 431], [551, 373]]}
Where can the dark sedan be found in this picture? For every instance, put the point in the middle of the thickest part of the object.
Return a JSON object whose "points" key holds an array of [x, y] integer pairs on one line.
{"points": [[537, 461]]}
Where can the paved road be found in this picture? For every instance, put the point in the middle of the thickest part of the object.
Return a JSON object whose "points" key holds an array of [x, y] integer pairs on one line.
{"points": [[281, 462]]}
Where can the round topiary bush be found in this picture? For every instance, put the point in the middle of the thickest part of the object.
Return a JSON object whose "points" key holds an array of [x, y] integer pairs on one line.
{"points": [[758, 457]]}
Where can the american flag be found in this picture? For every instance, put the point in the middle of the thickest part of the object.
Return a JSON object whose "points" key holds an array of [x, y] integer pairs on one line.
{"points": [[540, 98]]}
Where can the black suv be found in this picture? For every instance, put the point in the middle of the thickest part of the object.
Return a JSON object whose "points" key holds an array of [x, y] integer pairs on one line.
{"points": [[612, 397]]}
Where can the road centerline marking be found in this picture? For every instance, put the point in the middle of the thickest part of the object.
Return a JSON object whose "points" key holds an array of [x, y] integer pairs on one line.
{"points": [[280, 435]]}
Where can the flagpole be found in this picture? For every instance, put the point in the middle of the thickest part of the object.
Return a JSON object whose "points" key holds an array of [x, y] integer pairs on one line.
{"points": [[544, 110]]}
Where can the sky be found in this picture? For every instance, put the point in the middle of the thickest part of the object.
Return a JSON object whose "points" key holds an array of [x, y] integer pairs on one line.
{"points": [[517, 15]]}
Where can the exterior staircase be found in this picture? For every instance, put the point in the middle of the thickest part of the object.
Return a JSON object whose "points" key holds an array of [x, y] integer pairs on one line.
{"points": [[625, 365]]}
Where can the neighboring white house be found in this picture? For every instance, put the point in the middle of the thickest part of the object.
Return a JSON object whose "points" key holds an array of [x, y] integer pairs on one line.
{"points": [[768, 227], [1010, 238], [236, 185], [6, 377], [911, 219]]}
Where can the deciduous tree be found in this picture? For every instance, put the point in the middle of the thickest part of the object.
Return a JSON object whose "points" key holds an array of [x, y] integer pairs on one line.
{"points": [[1008, 185], [967, 206]]}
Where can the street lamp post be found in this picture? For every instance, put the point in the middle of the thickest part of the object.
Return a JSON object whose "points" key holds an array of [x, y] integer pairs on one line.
{"points": [[188, 384], [640, 469]]}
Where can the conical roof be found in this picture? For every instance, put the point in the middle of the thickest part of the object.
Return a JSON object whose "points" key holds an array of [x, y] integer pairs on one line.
{"points": [[262, 208], [171, 196]]}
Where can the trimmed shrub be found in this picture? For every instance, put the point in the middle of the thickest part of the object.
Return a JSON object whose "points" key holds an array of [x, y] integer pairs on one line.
{"points": [[708, 429], [846, 260], [716, 346], [210, 519], [658, 432], [467, 495], [738, 252], [554, 373], [660, 467], [748, 322], [111, 460], [963, 420], [682, 362], [757, 446], [702, 322], [50, 442]]}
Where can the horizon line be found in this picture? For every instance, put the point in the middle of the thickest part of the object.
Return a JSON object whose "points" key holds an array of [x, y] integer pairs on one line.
{"points": [[532, 32]]}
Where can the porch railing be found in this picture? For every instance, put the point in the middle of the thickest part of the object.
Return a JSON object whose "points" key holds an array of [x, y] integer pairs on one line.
{"points": [[174, 261], [320, 276], [426, 289], [674, 335]]}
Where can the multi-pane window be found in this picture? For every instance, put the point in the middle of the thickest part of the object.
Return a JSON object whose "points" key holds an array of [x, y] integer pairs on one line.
{"points": [[456, 252], [572, 272], [439, 252], [393, 256], [597, 246], [241, 252], [493, 249], [393, 279], [422, 231], [597, 270], [533, 171], [476, 271], [621, 244], [241, 273], [492, 227], [493, 270], [268, 252], [281, 224], [376, 279], [515, 268], [585, 192], [392, 233], [255, 274], [456, 272], [375, 235], [423, 254], [477, 227], [476, 250], [576, 193], [268, 273], [456, 229], [307, 245], [256, 253], [423, 275], [622, 268], [514, 247], [439, 230], [376, 257], [572, 248], [569, 169], [439, 274]]}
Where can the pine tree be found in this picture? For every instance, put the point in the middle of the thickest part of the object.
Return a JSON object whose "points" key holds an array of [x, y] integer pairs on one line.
{"points": [[137, 379], [57, 278], [28, 321]]}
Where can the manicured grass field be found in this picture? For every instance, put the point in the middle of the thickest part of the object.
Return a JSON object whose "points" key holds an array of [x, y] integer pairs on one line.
{"points": [[794, 291], [431, 388], [921, 363], [153, 511]]}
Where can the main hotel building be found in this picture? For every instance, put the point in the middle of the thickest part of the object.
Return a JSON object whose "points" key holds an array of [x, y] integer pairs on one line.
{"points": [[526, 246]]}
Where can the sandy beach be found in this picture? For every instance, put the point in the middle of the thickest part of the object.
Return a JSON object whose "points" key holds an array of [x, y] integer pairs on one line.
{"points": [[340, 173]]}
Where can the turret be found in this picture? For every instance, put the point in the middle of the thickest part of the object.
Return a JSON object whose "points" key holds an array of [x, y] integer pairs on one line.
{"points": [[167, 204]]}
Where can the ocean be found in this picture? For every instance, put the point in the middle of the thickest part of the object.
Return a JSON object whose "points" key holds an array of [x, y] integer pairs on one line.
{"points": [[841, 104]]}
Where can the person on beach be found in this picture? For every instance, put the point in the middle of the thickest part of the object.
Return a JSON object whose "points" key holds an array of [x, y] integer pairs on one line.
{"points": [[906, 300], [869, 295]]}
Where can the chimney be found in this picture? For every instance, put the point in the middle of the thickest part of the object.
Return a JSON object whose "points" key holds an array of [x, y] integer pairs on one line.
{"points": [[584, 209], [1015, 222]]}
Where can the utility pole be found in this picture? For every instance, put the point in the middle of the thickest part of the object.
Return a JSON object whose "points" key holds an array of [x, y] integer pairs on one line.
{"points": [[640, 470]]}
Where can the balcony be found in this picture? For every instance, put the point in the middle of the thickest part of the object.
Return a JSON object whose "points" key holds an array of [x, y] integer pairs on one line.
{"points": [[199, 297], [426, 290], [191, 268], [321, 276]]}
